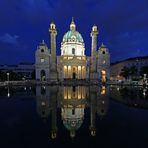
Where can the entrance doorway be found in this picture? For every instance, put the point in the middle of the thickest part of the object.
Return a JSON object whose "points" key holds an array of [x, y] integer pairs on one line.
{"points": [[43, 75], [74, 75]]}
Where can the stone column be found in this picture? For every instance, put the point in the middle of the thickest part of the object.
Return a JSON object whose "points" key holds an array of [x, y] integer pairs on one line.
{"points": [[81, 73], [93, 63], [92, 111], [67, 72], [54, 112], [53, 68]]}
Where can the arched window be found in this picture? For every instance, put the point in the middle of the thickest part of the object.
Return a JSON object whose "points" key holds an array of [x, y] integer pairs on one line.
{"points": [[103, 52], [74, 69], [73, 111], [42, 50], [73, 51]]}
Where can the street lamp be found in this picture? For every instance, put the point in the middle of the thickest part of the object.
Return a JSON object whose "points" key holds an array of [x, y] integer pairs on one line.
{"points": [[8, 76], [24, 78], [145, 76], [8, 94], [145, 79]]}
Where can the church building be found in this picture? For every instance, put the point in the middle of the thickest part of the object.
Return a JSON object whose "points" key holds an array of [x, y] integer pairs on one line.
{"points": [[72, 64]]}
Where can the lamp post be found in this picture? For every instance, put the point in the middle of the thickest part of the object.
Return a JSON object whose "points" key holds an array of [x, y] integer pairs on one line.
{"points": [[8, 74], [8, 94], [145, 80]]}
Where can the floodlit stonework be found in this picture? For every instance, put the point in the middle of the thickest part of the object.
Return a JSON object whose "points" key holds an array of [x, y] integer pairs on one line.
{"points": [[72, 64]]}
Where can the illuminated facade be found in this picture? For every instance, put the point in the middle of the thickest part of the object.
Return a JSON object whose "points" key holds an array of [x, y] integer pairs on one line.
{"points": [[72, 63]]}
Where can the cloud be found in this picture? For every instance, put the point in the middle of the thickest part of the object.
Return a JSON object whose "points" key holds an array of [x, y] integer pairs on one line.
{"points": [[10, 39]]}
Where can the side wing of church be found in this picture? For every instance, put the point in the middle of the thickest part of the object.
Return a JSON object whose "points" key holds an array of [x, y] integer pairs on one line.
{"points": [[72, 64]]}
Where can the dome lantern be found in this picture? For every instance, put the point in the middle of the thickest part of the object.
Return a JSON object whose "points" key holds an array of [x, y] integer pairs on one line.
{"points": [[72, 25]]}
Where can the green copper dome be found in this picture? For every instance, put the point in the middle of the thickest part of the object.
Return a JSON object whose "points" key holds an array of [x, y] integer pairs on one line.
{"points": [[73, 36]]}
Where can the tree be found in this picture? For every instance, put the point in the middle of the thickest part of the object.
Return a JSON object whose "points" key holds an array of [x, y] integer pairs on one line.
{"points": [[13, 76], [3, 76], [144, 70], [33, 75], [125, 72], [133, 71]]}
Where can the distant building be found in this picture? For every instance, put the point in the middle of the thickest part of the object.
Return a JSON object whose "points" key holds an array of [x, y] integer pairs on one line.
{"points": [[24, 69], [72, 63], [138, 62]]}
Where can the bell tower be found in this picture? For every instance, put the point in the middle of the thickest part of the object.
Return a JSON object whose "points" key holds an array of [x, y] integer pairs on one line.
{"points": [[53, 61], [103, 63]]}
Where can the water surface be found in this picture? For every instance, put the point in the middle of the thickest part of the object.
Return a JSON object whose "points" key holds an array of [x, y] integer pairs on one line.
{"points": [[73, 116]]}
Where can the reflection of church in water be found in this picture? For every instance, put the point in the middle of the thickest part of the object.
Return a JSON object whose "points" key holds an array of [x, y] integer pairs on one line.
{"points": [[72, 102]]}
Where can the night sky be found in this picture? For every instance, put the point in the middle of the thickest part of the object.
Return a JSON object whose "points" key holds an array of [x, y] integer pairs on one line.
{"points": [[123, 26]]}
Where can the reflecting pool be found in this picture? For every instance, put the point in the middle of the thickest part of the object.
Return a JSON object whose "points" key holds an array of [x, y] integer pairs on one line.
{"points": [[75, 116]]}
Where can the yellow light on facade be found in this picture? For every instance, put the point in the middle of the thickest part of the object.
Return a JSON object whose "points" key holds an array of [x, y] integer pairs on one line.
{"points": [[69, 95], [65, 96], [103, 90], [69, 58], [79, 68], [103, 72], [79, 96], [65, 58]]}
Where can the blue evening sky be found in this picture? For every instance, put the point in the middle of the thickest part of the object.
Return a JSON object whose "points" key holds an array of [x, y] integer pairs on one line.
{"points": [[123, 26]]}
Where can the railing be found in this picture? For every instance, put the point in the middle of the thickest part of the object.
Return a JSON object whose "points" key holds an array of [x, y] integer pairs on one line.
{"points": [[27, 82]]}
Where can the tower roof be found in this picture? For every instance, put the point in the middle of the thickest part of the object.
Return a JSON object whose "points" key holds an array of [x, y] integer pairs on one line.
{"points": [[43, 43], [103, 46]]}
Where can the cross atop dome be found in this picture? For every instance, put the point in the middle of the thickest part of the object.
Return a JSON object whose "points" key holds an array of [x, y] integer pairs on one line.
{"points": [[43, 42], [72, 25], [73, 19]]}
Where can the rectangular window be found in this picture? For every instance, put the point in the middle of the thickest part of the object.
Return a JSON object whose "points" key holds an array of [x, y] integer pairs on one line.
{"points": [[73, 111], [79, 58], [69, 58], [73, 51]]}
